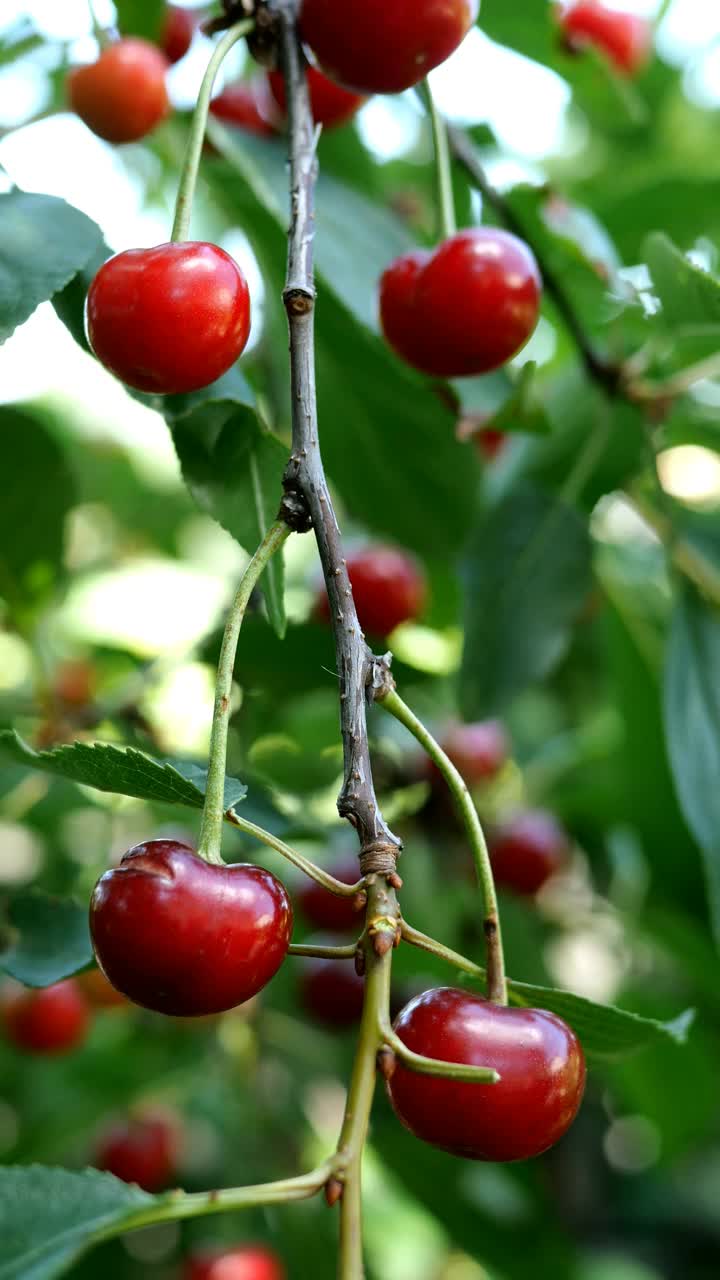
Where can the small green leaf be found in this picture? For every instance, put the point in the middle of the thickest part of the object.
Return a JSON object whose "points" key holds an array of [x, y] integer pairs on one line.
{"points": [[689, 295], [521, 410], [141, 18], [50, 939], [69, 303], [44, 243], [604, 1030], [121, 770], [50, 1217]]}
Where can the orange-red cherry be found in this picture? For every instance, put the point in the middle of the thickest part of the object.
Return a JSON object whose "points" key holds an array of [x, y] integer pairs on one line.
{"points": [[528, 849], [177, 32], [464, 309], [49, 1020], [624, 38], [330, 104], [187, 937], [141, 1150], [388, 588], [169, 319], [376, 47], [325, 910], [538, 1057], [247, 105], [122, 96], [247, 1262]]}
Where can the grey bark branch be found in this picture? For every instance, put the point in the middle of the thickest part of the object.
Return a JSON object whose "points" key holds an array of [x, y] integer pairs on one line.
{"points": [[307, 498]]}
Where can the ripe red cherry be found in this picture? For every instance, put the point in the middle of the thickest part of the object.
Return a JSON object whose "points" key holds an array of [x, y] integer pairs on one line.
{"points": [[122, 96], [50, 1020], [527, 850], [477, 750], [387, 586], [331, 991], [624, 38], [376, 47], [464, 309], [331, 105], [177, 32], [142, 1150], [538, 1057], [246, 105], [249, 1262], [325, 910], [182, 936], [169, 319]]}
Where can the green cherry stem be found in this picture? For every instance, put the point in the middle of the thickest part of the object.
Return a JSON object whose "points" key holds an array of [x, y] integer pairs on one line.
{"points": [[323, 953], [434, 948], [437, 1066], [298, 860], [443, 170], [496, 983], [191, 163], [214, 808]]}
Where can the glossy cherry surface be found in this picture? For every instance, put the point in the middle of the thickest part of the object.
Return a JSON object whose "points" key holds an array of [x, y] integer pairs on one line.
{"points": [[185, 937], [538, 1057], [247, 1262], [464, 309], [141, 1149], [325, 910], [376, 47], [527, 850], [169, 319], [247, 105], [330, 103], [122, 96], [331, 991], [624, 38], [49, 1020], [388, 588], [477, 750], [177, 32]]}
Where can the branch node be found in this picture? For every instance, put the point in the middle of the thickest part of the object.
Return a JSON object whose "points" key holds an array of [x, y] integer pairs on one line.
{"points": [[298, 300], [333, 1192], [294, 511], [378, 858], [386, 1062]]}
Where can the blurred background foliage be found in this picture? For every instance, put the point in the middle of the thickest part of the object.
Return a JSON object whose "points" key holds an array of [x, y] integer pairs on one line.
{"points": [[114, 574]]}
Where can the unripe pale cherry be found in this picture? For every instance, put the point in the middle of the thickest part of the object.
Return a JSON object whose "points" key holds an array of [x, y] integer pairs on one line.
{"points": [[122, 96]]}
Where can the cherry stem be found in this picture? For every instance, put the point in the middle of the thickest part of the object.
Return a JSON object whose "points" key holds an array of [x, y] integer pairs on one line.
{"points": [[496, 984], [323, 953], [443, 169], [425, 943], [417, 1062], [193, 151], [100, 32], [298, 860], [214, 808]]}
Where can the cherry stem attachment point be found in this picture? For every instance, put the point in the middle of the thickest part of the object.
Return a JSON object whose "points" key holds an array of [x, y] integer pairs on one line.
{"points": [[214, 807], [443, 167], [496, 983], [191, 162]]}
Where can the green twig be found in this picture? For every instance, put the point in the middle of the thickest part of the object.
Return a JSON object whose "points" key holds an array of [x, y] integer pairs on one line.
{"points": [[443, 170]]}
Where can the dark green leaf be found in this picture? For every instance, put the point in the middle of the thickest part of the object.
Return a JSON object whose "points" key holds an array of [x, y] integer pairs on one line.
{"points": [[141, 18], [50, 939], [689, 295], [527, 575], [521, 411], [44, 243], [604, 1030], [121, 770], [69, 303]]}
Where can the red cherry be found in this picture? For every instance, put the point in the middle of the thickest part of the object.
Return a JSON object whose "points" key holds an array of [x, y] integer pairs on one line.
{"points": [[122, 96], [249, 1262], [490, 442], [624, 38], [376, 47], [331, 991], [527, 850], [464, 309], [246, 105], [177, 32], [169, 319], [182, 936], [331, 105], [51, 1020], [142, 1150], [477, 750], [538, 1057], [387, 586], [325, 910]]}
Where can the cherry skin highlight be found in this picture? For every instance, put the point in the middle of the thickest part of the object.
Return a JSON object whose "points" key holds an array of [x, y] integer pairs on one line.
{"points": [[464, 309], [122, 96], [526, 850], [50, 1020], [376, 47], [538, 1057], [184, 937], [477, 750], [169, 319], [248, 1262], [246, 105], [624, 38], [387, 586], [325, 910], [331, 105], [140, 1150], [177, 32]]}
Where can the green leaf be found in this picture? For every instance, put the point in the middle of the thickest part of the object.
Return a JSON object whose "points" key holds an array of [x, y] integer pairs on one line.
{"points": [[141, 18], [604, 1030], [527, 573], [37, 488], [50, 941], [121, 770], [44, 243], [689, 295], [521, 411], [50, 1217], [692, 728], [233, 468], [69, 303]]}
